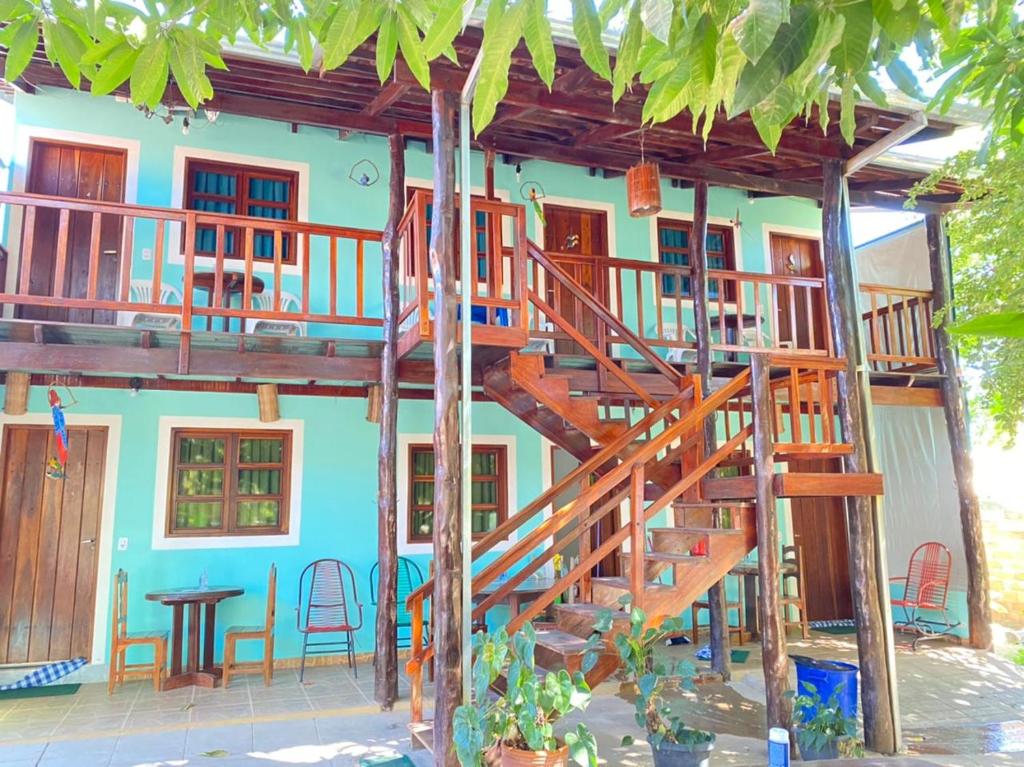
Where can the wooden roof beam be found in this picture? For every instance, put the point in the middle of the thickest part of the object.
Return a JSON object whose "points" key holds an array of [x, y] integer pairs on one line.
{"points": [[601, 134], [572, 79], [917, 122], [388, 95]]}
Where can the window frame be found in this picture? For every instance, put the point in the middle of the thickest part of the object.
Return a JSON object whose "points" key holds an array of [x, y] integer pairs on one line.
{"points": [[501, 478], [243, 173], [686, 225], [230, 497]]}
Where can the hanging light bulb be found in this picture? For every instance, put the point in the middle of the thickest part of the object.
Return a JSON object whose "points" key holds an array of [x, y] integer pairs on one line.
{"points": [[186, 124]]}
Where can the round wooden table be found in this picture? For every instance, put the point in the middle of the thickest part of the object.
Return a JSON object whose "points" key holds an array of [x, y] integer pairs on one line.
{"points": [[207, 674], [231, 283]]}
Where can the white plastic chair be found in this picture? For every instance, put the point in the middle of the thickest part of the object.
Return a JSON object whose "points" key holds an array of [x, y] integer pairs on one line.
{"points": [[141, 292], [264, 302]]}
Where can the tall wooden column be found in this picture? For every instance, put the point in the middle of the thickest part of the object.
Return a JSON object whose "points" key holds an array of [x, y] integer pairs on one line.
{"points": [[773, 635], [979, 609], [446, 608], [717, 616], [385, 657], [879, 722]]}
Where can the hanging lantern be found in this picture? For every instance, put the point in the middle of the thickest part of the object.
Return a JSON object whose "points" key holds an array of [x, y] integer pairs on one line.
{"points": [[643, 189]]}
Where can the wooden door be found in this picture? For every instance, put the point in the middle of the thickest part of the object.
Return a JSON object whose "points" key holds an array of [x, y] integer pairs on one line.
{"points": [[819, 528], [576, 232], [49, 531], [801, 316], [87, 173]]}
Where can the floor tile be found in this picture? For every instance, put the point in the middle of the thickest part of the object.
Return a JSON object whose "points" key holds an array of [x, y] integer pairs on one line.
{"points": [[150, 746], [270, 736], [235, 739], [28, 751]]}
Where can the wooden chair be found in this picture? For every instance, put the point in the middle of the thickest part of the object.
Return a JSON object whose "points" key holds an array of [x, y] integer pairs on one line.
{"points": [[740, 629], [793, 589], [264, 633], [121, 639]]}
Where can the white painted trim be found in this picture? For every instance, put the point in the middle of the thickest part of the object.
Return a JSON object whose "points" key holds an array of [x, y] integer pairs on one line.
{"points": [[23, 135], [182, 153], [402, 475], [105, 544], [160, 539]]}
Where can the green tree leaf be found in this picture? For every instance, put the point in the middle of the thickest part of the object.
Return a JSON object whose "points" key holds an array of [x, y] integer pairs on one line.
{"points": [[412, 47], [353, 22], [847, 118], [189, 69], [387, 45], [627, 60], [998, 325], [65, 48], [537, 33], [756, 27], [149, 75], [450, 19], [904, 79], [587, 26], [21, 45], [851, 53], [502, 29], [115, 69], [898, 20], [657, 18]]}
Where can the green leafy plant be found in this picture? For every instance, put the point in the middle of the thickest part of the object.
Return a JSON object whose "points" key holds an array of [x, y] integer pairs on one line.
{"points": [[827, 725], [649, 673], [524, 716], [1019, 657]]}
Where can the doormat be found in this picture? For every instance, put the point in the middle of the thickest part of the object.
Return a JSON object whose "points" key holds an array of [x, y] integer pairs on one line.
{"points": [[52, 690], [844, 626]]}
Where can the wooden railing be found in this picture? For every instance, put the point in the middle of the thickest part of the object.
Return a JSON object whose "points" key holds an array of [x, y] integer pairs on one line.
{"points": [[499, 238], [898, 328], [761, 313], [561, 308], [104, 257]]}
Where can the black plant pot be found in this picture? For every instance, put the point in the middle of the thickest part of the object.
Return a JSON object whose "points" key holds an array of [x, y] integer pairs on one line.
{"points": [[682, 754]]}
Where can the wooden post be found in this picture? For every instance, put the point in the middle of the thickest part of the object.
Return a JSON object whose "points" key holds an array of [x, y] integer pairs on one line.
{"points": [[446, 608], [979, 609], [385, 657], [718, 618], [773, 635], [489, 192], [876, 685], [16, 393]]}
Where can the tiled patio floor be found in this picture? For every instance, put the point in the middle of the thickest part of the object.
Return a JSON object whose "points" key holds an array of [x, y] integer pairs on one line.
{"points": [[958, 708]]}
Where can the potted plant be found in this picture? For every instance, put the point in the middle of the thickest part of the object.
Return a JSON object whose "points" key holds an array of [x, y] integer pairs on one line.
{"points": [[673, 744], [516, 727], [823, 731]]}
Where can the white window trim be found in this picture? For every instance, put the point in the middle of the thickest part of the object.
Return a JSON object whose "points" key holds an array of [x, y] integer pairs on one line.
{"points": [[183, 153], [162, 541], [105, 544], [22, 142], [402, 475]]}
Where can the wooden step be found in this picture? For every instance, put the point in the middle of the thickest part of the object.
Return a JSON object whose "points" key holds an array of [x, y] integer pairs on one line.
{"points": [[657, 562], [608, 590], [579, 618], [681, 540], [422, 735], [557, 649], [797, 485]]}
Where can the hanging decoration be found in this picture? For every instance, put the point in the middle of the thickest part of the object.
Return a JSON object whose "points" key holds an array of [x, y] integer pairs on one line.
{"points": [[643, 186], [533, 192], [364, 173], [55, 466]]}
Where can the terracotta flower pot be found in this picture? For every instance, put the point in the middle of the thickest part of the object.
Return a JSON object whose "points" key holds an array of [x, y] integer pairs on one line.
{"points": [[514, 757]]}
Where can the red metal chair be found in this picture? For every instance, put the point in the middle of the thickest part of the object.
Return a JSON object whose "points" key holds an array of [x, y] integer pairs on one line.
{"points": [[325, 588], [926, 588]]}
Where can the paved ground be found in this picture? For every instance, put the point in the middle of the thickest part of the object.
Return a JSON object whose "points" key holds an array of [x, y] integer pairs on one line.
{"points": [[959, 708]]}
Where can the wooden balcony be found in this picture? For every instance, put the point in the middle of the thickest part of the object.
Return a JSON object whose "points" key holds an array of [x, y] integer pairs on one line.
{"points": [[120, 288]]}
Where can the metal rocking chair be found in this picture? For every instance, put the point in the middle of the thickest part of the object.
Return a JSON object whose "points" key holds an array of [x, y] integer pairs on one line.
{"points": [[926, 587], [410, 578], [324, 609]]}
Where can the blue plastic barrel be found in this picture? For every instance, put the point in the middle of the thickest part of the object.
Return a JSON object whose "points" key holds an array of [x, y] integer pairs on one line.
{"points": [[829, 677]]}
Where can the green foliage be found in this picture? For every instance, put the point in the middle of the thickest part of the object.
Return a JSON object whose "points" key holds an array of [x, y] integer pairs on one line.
{"points": [[1019, 657], [524, 716], [985, 238], [647, 673], [779, 59], [828, 724]]}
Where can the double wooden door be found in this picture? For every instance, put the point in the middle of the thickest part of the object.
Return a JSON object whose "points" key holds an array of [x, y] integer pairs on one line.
{"points": [[49, 533], [87, 173]]}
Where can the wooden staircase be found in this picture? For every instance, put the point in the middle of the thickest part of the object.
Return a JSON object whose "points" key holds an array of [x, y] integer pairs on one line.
{"points": [[647, 457]]}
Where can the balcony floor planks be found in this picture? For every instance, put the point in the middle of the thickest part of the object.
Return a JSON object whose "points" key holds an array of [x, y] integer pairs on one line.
{"points": [[797, 485]]}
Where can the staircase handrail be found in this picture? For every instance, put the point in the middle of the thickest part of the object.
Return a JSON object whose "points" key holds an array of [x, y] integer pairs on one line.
{"points": [[609, 452], [623, 334]]}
